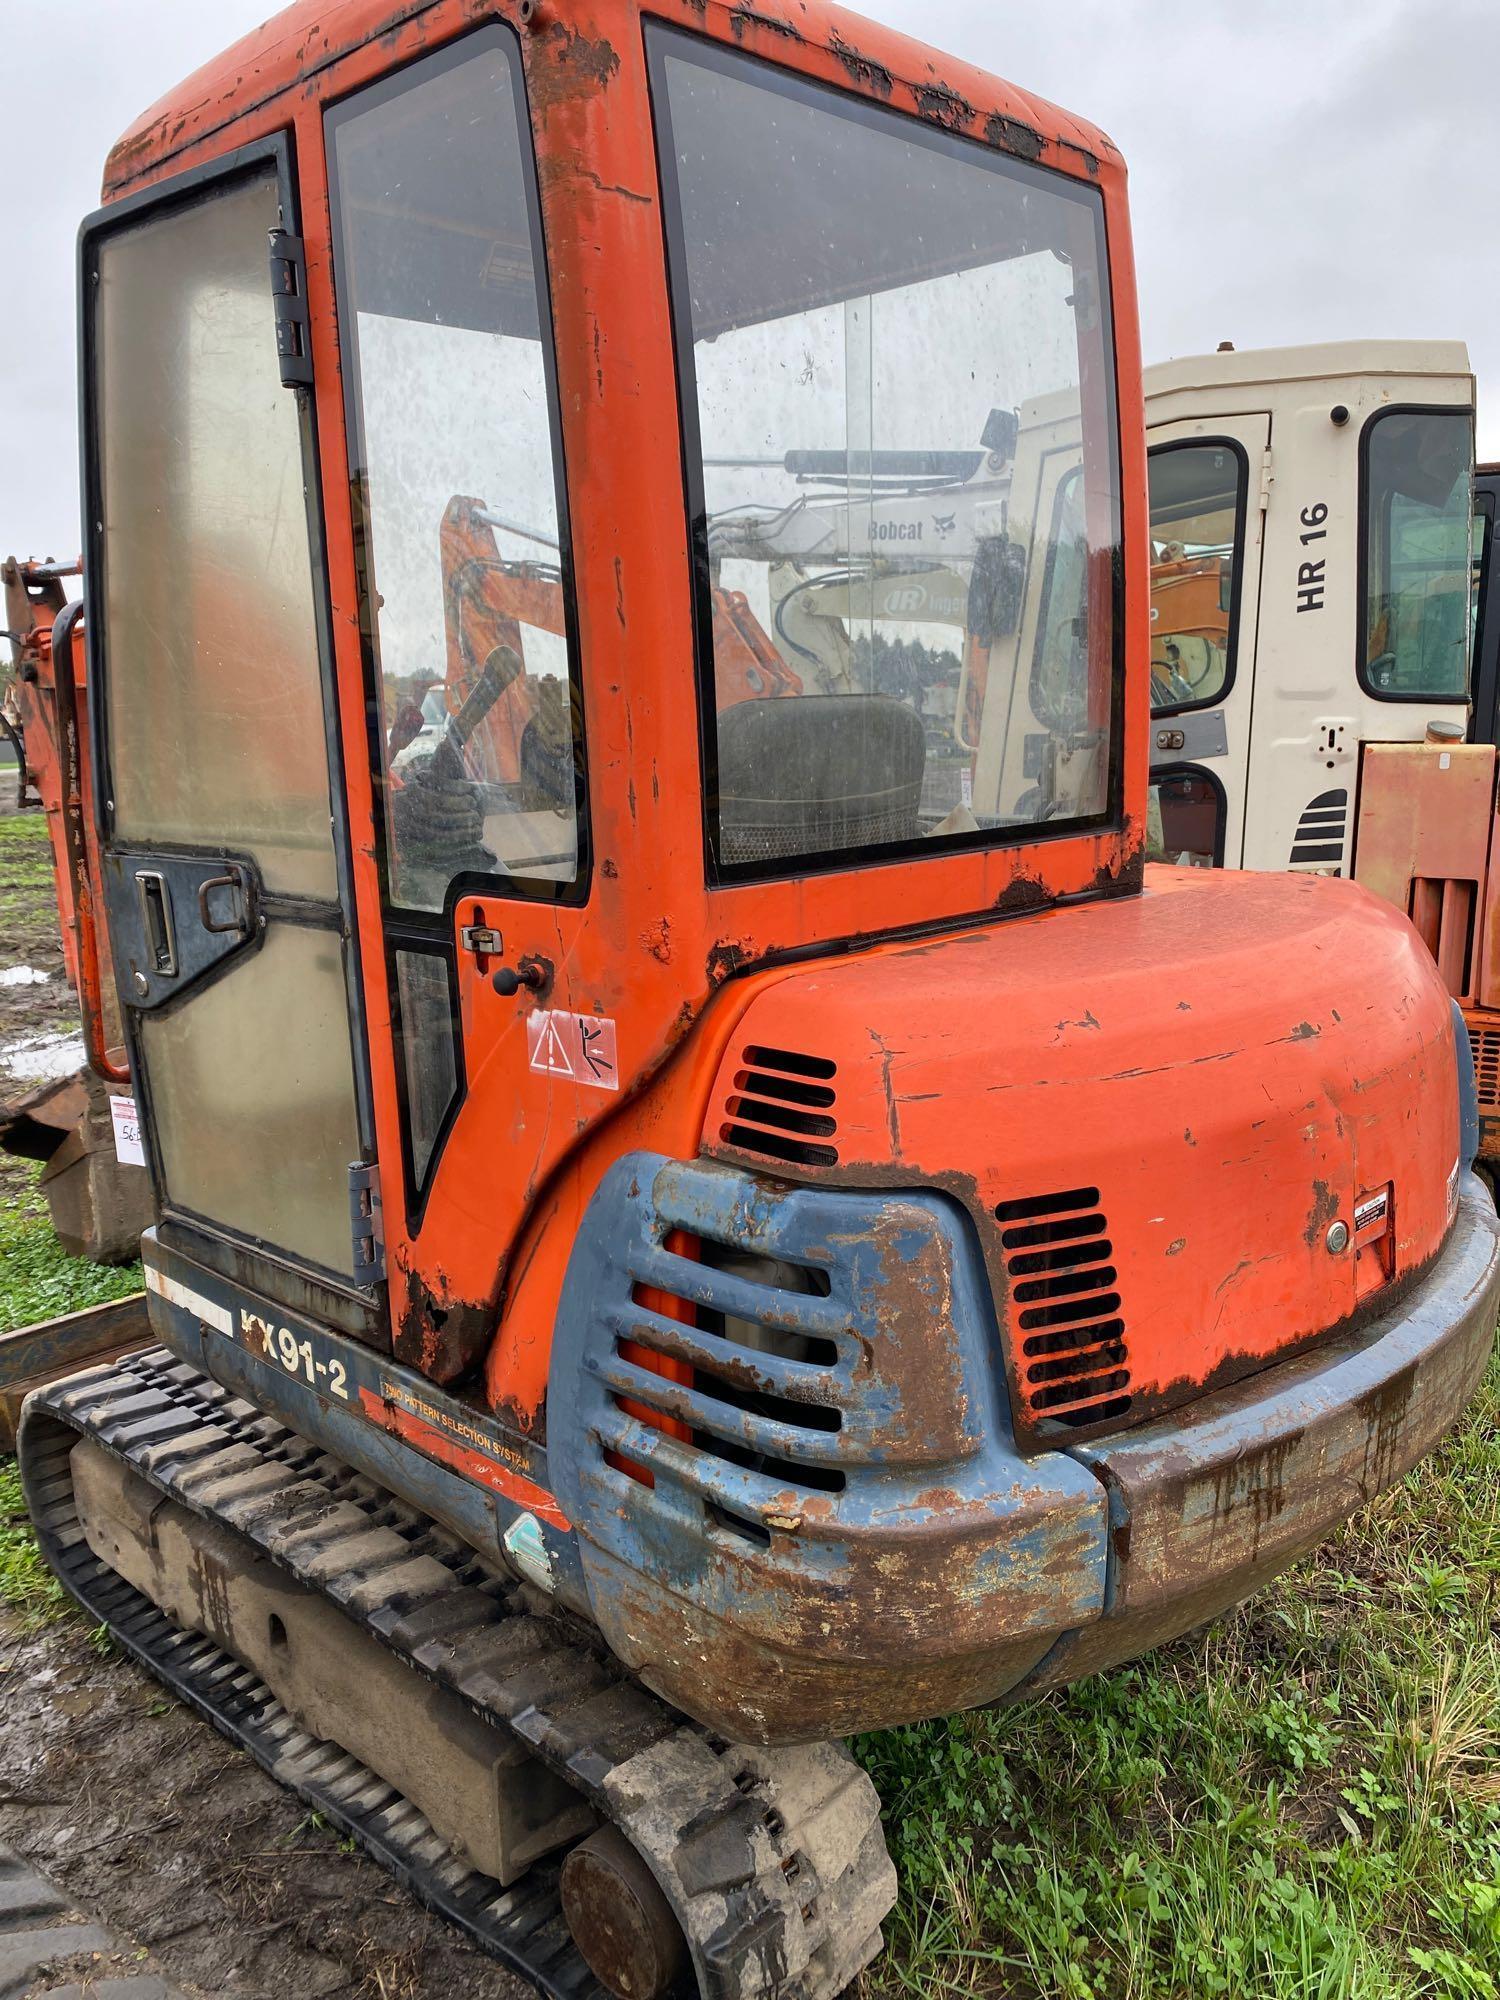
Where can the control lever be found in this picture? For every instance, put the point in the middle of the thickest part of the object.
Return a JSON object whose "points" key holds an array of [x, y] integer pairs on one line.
{"points": [[502, 667], [510, 979]]}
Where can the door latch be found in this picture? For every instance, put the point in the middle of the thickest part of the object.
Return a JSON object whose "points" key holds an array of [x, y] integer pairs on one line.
{"points": [[366, 1223], [483, 940]]}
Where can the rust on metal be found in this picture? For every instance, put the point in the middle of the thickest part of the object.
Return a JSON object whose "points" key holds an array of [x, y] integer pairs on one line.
{"points": [[1013, 135], [743, 17], [862, 69], [943, 105], [568, 64], [444, 1337], [34, 1355], [620, 1920]]}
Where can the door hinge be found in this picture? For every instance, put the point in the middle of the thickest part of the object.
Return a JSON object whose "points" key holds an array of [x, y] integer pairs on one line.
{"points": [[1266, 476], [289, 298], [366, 1223]]}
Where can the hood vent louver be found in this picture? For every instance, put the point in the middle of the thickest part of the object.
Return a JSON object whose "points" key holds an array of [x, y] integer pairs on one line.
{"points": [[782, 1108], [1068, 1340]]}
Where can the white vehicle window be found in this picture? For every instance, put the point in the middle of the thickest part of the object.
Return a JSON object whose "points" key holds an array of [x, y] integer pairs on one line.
{"points": [[1418, 511]]}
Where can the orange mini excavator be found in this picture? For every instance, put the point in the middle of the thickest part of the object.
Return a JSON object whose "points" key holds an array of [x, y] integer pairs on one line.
{"points": [[752, 1218]]}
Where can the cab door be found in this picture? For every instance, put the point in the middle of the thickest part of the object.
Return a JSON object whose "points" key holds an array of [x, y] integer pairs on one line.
{"points": [[1207, 487], [222, 824], [499, 1053]]}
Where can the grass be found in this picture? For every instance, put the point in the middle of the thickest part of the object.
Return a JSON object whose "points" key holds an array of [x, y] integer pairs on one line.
{"points": [[28, 896], [27, 1586], [38, 1279], [1302, 1801]]}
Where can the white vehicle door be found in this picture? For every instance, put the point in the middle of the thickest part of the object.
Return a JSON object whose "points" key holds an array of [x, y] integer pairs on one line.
{"points": [[1207, 479], [1365, 618]]}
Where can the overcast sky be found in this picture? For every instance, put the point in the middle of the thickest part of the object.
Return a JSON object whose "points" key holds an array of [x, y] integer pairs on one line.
{"points": [[1301, 170]]}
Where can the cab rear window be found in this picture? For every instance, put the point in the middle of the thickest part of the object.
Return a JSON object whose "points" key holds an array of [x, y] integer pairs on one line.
{"points": [[901, 454]]}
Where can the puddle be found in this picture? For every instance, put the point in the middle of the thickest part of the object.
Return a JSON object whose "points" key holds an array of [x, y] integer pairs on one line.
{"points": [[23, 975], [43, 1058]]}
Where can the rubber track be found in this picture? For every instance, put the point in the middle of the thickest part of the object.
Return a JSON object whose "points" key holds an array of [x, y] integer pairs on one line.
{"points": [[774, 1860]]}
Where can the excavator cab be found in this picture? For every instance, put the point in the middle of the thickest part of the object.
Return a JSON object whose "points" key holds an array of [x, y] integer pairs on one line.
{"points": [[705, 1202], [224, 626]]}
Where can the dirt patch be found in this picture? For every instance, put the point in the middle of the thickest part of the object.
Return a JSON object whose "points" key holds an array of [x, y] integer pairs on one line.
{"points": [[161, 1830]]}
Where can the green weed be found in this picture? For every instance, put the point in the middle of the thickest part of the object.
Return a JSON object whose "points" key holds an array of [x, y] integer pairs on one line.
{"points": [[27, 1586], [38, 1279], [1301, 1803]]}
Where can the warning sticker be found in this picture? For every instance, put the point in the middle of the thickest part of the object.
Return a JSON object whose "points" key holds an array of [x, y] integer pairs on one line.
{"points": [[578, 1046]]}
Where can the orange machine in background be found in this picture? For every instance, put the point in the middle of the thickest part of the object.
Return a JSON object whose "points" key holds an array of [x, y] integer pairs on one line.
{"points": [[53, 727], [1427, 843], [99, 1204]]}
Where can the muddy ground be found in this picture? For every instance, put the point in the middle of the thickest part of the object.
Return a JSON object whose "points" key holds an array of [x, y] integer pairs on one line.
{"points": [[170, 1837], [151, 1822]]}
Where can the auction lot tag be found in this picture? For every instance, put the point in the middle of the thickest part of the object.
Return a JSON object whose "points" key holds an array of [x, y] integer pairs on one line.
{"points": [[128, 1148], [580, 1046]]}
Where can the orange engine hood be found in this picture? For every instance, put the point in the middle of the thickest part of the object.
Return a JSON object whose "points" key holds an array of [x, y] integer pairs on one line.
{"points": [[1155, 1109]]}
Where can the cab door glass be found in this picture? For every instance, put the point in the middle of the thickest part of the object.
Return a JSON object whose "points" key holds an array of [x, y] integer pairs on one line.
{"points": [[214, 696], [456, 478], [1197, 494], [203, 565]]}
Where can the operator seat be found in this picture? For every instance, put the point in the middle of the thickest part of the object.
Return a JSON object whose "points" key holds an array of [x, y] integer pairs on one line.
{"points": [[809, 774]]}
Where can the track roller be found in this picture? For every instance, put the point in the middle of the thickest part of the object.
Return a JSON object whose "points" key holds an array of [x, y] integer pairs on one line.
{"points": [[620, 1920]]}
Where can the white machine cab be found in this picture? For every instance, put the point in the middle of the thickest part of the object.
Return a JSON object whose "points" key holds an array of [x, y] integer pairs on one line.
{"points": [[1310, 587]]}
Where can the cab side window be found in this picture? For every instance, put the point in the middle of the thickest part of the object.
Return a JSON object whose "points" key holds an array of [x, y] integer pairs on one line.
{"points": [[456, 475]]}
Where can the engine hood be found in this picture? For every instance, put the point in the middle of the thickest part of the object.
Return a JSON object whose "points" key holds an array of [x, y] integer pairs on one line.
{"points": [[1194, 1129]]}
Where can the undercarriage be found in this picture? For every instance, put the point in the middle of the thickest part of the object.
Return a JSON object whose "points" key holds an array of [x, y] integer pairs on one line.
{"points": [[263, 1581]]}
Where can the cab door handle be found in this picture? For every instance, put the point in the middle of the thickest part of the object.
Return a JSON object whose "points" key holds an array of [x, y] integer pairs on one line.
{"points": [[239, 921], [156, 919]]}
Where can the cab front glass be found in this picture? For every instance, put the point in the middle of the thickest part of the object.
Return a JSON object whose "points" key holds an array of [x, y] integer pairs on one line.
{"points": [[902, 466]]}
